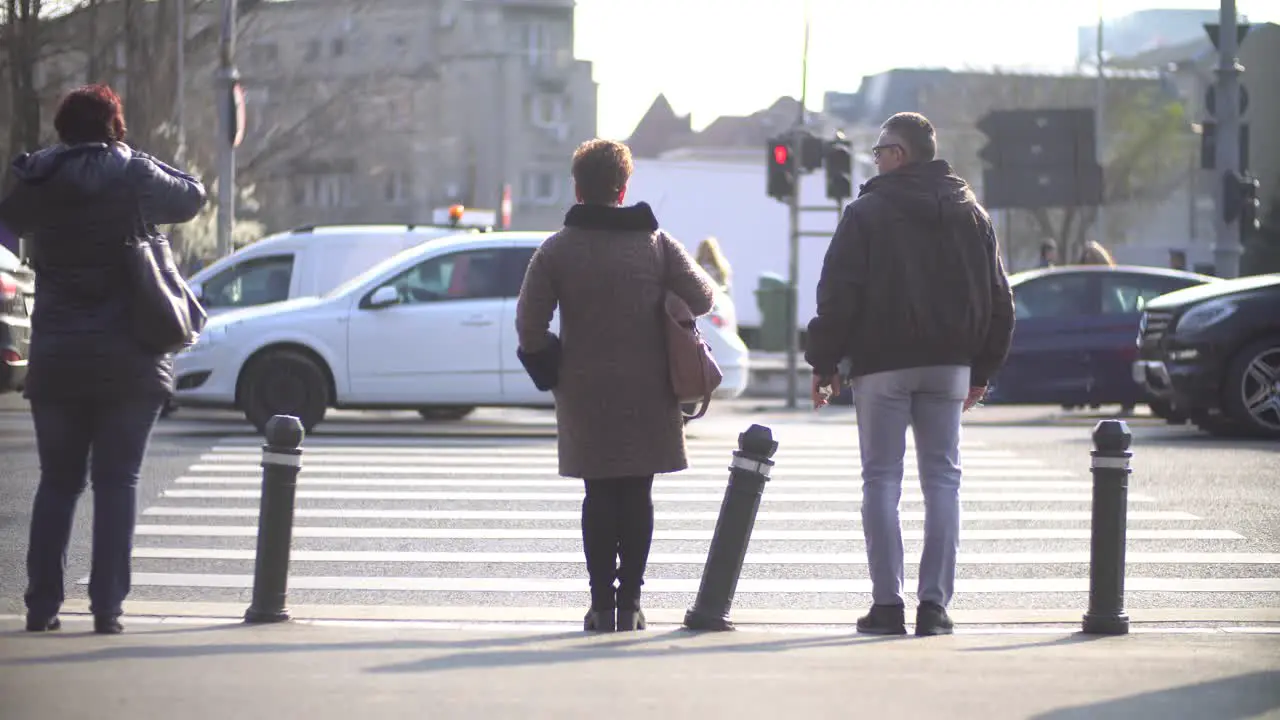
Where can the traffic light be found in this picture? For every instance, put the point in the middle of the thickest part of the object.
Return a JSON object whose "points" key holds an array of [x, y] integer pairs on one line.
{"points": [[1250, 206], [839, 166], [782, 170], [1240, 201]]}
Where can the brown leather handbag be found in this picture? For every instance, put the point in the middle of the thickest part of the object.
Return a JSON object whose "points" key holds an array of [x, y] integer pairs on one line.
{"points": [[693, 369]]}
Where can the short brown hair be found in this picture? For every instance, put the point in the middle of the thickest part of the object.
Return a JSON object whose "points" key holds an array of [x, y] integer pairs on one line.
{"points": [[90, 114], [916, 133], [601, 169]]}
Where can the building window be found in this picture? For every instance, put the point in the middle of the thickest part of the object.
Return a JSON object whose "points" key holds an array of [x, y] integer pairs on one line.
{"points": [[323, 190], [540, 187], [548, 109], [313, 50], [398, 187], [339, 47], [538, 44]]}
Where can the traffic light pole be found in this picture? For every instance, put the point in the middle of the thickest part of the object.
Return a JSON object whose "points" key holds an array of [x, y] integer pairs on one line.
{"points": [[227, 77], [1228, 248], [793, 305]]}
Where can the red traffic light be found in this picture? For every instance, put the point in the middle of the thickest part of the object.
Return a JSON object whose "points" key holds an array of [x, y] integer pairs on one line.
{"points": [[780, 154]]}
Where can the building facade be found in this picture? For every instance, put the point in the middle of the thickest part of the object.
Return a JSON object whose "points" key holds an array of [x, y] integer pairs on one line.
{"points": [[375, 111]]}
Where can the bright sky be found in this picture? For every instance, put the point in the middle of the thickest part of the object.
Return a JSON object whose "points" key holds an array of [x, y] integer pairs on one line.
{"points": [[708, 55]]}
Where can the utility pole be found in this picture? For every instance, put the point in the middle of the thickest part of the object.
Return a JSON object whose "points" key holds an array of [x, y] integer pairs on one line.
{"points": [[227, 78], [180, 92], [1100, 224], [1228, 248], [793, 247]]}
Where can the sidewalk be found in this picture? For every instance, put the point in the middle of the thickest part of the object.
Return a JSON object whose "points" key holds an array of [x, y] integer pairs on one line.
{"points": [[327, 672]]}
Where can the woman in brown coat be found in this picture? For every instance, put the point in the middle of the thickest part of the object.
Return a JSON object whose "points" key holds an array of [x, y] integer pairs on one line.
{"points": [[618, 421]]}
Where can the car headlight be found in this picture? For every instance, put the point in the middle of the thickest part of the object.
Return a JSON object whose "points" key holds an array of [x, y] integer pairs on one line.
{"points": [[1205, 315]]}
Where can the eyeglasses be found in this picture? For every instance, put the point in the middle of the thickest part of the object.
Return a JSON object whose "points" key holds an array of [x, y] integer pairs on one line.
{"points": [[879, 149]]}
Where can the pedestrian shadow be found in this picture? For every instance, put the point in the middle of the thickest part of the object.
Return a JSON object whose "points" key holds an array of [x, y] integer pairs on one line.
{"points": [[1235, 698], [636, 649], [486, 652], [1073, 639]]}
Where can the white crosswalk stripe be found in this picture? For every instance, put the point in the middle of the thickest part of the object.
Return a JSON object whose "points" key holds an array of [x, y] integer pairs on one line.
{"points": [[460, 523]]}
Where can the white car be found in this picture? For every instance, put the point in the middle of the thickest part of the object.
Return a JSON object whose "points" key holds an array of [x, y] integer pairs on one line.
{"points": [[430, 329]]}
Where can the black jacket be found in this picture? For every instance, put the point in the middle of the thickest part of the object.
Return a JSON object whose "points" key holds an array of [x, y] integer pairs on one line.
{"points": [[76, 206], [912, 278]]}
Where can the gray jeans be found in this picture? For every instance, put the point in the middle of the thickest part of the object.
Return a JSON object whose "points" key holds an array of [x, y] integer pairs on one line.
{"points": [[930, 400]]}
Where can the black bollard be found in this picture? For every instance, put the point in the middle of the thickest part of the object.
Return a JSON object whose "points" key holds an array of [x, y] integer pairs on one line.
{"points": [[281, 462], [1110, 466], [748, 472]]}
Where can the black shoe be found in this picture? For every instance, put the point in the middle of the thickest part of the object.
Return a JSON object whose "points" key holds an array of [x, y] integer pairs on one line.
{"points": [[599, 621], [932, 619], [630, 620], [107, 625], [35, 624], [884, 620]]}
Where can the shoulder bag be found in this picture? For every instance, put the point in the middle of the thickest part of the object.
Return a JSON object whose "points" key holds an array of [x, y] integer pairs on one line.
{"points": [[166, 316], [693, 369]]}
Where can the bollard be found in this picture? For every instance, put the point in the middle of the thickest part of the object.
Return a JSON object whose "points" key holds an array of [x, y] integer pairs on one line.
{"points": [[1110, 467], [748, 472], [281, 462]]}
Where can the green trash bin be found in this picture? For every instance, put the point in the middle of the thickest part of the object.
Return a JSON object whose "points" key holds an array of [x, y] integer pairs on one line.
{"points": [[771, 298]]}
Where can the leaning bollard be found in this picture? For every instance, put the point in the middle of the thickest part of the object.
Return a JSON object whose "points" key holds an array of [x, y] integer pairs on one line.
{"points": [[748, 472], [1106, 616], [281, 462]]}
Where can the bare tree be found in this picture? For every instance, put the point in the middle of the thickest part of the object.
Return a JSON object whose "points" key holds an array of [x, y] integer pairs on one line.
{"points": [[22, 38], [1145, 146]]}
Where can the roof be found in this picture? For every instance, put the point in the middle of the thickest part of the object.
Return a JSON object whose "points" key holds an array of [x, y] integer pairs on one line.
{"points": [[1027, 275]]}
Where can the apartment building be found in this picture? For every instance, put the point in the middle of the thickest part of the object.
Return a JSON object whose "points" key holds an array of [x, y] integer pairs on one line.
{"points": [[382, 110]]}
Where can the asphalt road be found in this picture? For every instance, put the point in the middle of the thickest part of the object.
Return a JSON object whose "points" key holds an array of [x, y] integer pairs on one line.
{"points": [[468, 521]]}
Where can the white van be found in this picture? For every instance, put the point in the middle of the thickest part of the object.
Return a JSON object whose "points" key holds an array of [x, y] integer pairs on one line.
{"points": [[304, 262]]}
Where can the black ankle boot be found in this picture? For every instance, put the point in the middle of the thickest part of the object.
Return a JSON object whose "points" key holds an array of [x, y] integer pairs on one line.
{"points": [[600, 618], [42, 624], [107, 625], [630, 616]]}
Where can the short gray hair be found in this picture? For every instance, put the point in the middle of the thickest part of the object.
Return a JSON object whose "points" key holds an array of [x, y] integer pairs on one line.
{"points": [[916, 132]]}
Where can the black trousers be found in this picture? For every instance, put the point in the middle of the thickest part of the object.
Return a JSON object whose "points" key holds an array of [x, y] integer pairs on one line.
{"points": [[617, 530]]}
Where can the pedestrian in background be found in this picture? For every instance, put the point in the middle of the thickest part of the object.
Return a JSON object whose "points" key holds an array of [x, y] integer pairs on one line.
{"points": [[1094, 254], [94, 391], [914, 296], [618, 421], [712, 259], [1048, 253]]}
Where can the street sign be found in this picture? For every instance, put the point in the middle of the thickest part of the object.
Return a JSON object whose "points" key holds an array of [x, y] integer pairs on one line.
{"points": [[1214, 31], [1040, 158]]}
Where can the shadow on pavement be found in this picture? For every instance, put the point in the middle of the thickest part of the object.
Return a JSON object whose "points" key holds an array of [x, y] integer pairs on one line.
{"points": [[489, 652], [1075, 639], [1234, 698]]}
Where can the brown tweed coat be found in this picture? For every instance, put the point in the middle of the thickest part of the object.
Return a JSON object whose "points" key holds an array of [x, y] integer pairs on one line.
{"points": [[615, 412]]}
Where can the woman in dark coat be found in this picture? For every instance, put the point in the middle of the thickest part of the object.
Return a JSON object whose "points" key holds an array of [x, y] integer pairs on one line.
{"points": [[91, 385], [618, 421]]}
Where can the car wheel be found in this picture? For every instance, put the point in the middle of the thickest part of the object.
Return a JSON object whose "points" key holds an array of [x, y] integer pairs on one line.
{"points": [[446, 412], [285, 382], [1251, 393]]}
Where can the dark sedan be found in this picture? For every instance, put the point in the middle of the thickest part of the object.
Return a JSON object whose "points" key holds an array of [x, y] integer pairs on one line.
{"points": [[17, 293], [1073, 343]]}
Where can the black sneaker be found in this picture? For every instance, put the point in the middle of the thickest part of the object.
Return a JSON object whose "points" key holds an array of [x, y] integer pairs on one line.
{"points": [[883, 620], [932, 619]]}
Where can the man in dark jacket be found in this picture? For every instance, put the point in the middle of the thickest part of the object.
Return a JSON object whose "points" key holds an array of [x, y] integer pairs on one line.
{"points": [[914, 297]]}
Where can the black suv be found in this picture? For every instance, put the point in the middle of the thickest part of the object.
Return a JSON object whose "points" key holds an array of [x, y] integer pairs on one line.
{"points": [[17, 293], [1213, 353]]}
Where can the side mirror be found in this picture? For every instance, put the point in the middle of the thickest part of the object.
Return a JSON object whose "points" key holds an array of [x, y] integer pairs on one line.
{"points": [[197, 290], [384, 296]]}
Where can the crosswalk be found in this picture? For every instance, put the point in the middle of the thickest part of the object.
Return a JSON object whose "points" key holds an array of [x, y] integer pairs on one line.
{"points": [[482, 529]]}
